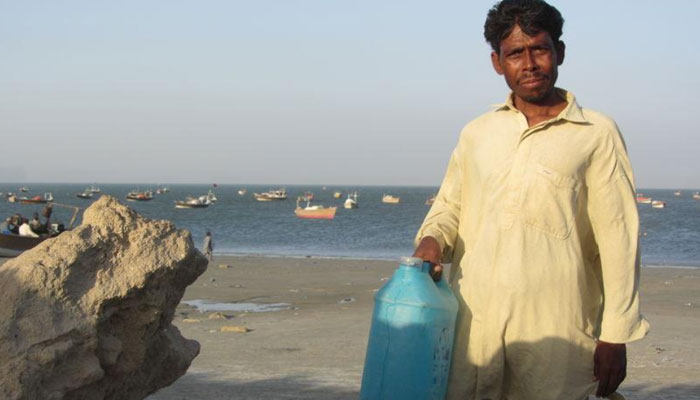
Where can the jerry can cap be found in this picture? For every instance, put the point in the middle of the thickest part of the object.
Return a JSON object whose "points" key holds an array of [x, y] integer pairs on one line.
{"points": [[411, 262]]}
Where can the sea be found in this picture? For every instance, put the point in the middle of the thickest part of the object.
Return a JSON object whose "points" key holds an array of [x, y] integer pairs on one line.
{"points": [[240, 225]]}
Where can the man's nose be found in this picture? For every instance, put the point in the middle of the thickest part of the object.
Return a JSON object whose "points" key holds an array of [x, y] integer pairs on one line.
{"points": [[530, 61]]}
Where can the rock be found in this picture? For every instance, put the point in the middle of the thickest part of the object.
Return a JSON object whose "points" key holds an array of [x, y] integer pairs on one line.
{"points": [[347, 300], [88, 314], [235, 328]]}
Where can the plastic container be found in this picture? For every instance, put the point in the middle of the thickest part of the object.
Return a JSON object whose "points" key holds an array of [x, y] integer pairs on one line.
{"points": [[410, 342]]}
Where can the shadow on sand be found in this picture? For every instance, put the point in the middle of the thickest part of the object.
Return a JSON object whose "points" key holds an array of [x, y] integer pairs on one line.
{"points": [[195, 386]]}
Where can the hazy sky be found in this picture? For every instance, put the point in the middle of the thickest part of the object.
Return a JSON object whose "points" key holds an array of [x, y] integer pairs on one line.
{"points": [[314, 91]]}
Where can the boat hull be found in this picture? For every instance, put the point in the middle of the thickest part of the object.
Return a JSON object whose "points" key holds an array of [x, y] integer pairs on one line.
{"points": [[324, 213], [14, 245]]}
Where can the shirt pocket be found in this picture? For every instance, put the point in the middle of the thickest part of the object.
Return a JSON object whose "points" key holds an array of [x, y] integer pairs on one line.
{"points": [[550, 201]]}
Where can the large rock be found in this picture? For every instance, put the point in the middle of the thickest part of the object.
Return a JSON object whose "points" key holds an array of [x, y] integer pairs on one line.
{"points": [[87, 315]]}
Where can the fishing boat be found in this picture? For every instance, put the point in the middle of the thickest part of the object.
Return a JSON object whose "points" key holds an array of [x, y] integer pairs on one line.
{"points": [[696, 196], [191, 202], [48, 197], [430, 200], [280, 194], [351, 201], [658, 204], [12, 245], [94, 189], [139, 196], [389, 199], [677, 193], [24, 189], [337, 195], [315, 211], [84, 195], [643, 199], [242, 192]]}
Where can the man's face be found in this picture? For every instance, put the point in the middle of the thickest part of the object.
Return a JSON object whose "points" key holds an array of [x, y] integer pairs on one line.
{"points": [[529, 64]]}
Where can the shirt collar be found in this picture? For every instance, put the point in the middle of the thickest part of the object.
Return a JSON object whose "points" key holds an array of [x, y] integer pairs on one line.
{"points": [[572, 112]]}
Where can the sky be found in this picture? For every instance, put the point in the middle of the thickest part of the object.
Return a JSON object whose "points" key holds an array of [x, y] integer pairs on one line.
{"points": [[315, 91]]}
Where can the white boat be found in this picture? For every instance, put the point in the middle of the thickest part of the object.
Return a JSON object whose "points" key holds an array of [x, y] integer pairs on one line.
{"points": [[242, 191], [191, 202], [696, 196], [389, 199], [337, 195], [351, 201], [677, 193], [84, 195], [280, 194], [430, 200], [94, 189], [658, 204]]}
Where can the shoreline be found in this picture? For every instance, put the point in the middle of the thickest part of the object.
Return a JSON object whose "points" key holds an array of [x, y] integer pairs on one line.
{"points": [[396, 259]]}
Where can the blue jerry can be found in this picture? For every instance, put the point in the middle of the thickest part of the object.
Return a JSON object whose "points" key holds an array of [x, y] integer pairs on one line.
{"points": [[410, 341]]}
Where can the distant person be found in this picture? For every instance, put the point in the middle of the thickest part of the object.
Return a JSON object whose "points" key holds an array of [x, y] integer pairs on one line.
{"points": [[26, 230], [15, 222], [36, 224], [208, 246], [537, 216], [5, 226]]}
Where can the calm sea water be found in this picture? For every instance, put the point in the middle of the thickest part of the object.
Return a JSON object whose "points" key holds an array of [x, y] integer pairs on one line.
{"points": [[241, 225]]}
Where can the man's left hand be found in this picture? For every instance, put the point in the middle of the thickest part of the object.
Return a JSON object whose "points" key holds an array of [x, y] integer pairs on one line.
{"points": [[609, 367]]}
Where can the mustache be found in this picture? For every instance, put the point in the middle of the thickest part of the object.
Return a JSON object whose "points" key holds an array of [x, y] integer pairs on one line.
{"points": [[534, 76]]}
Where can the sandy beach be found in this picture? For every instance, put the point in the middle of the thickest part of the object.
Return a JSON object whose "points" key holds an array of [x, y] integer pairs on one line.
{"points": [[314, 347]]}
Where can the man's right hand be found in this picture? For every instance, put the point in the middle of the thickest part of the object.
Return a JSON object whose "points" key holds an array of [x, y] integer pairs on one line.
{"points": [[429, 250]]}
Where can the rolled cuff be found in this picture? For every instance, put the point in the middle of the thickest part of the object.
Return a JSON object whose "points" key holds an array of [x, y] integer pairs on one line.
{"points": [[615, 331]]}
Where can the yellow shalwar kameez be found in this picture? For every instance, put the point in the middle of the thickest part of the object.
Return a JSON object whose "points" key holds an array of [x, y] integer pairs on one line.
{"points": [[541, 227]]}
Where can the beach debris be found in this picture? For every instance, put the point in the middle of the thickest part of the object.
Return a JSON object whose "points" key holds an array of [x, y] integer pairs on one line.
{"points": [[688, 304], [294, 290], [384, 278], [235, 329], [191, 320], [225, 266], [659, 349], [88, 314], [347, 300], [212, 280], [219, 315]]}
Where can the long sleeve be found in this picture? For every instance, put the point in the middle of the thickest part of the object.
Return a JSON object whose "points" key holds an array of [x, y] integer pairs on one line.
{"points": [[615, 222], [442, 221]]}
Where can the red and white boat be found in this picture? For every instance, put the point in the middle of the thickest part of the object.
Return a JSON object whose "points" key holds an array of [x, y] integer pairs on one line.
{"points": [[643, 199]]}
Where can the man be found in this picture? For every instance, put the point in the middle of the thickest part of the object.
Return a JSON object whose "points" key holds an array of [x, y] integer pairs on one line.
{"points": [[208, 246], [26, 230], [537, 215]]}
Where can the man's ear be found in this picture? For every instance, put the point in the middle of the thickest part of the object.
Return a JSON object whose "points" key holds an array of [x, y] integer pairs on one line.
{"points": [[495, 61], [561, 50]]}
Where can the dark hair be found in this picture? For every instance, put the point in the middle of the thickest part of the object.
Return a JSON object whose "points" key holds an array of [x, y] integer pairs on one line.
{"points": [[532, 16]]}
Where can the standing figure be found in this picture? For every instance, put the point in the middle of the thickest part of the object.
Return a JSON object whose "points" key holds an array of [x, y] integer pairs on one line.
{"points": [[208, 246], [537, 216]]}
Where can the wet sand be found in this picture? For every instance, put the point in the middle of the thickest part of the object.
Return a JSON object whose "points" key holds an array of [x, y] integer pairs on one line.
{"points": [[315, 348]]}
